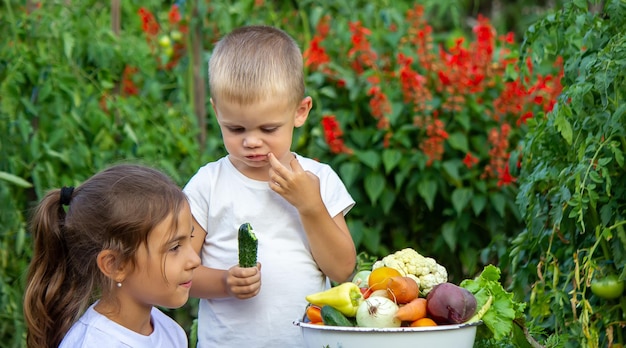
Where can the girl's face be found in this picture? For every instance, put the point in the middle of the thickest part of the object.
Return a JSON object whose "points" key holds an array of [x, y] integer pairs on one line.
{"points": [[250, 132], [164, 265]]}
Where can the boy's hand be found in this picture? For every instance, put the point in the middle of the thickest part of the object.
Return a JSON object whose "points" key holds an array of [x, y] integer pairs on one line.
{"points": [[299, 187], [243, 283]]}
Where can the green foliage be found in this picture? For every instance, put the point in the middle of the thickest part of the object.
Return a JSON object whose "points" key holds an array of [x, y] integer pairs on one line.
{"points": [[571, 194], [75, 97], [422, 133], [64, 115]]}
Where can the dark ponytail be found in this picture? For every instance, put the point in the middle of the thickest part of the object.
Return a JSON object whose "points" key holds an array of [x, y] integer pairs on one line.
{"points": [[115, 209], [47, 293]]}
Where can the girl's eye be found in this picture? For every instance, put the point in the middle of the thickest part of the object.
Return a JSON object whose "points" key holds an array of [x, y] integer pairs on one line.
{"points": [[270, 130], [236, 130], [175, 248]]}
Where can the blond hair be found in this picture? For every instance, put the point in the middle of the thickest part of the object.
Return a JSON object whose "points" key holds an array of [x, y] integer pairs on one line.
{"points": [[253, 63]]}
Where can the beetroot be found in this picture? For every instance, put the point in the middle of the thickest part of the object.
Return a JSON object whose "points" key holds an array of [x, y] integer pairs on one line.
{"points": [[450, 304]]}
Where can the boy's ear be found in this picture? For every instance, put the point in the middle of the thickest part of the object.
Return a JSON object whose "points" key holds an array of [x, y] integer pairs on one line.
{"points": [[110, 265], [302, 112], [213, 106]]}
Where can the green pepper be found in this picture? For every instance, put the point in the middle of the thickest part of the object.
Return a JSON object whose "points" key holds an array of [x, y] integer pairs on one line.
{"points": [[345, 298]]}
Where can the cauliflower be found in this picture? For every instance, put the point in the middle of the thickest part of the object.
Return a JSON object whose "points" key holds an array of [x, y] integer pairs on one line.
{"points": [[424, 270]]}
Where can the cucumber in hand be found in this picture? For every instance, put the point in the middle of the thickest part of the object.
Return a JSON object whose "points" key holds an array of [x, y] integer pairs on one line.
{"points": [[248, 245]]}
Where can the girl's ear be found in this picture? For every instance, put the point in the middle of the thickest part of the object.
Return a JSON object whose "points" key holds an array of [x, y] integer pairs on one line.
{"points": [[302, 112], [110, 265]]}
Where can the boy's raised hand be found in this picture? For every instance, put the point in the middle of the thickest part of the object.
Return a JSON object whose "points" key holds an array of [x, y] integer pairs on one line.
{"points": [[243, 283], [299, 187]]}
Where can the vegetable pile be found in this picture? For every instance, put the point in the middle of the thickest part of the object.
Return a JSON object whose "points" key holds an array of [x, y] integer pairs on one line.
{"points": [[424, 270], [406, 289]]}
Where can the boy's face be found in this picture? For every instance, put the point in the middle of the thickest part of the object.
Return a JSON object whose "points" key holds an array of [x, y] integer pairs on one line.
{"points": [[252, 131]]}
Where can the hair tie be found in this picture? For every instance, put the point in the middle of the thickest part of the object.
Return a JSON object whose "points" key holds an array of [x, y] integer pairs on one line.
{"points": [[66, 195]]}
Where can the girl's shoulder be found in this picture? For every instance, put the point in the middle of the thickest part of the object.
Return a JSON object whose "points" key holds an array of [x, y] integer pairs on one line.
{"points": [[93, 329], [167, 329]]}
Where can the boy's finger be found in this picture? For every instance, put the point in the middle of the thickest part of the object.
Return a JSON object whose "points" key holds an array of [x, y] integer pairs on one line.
{"points": [[295, 165]]}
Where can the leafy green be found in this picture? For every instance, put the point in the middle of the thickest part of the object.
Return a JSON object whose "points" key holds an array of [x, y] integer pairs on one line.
{"points": [[502, 308]]}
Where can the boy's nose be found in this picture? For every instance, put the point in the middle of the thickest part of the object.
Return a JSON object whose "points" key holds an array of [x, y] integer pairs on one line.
{"points": [[251, 141]]}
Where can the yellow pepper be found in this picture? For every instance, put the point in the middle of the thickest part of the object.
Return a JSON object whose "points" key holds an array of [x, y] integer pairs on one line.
{"points": [[345, 297]]}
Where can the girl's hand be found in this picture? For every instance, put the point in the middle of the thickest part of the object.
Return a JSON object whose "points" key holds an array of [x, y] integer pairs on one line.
{"points": [[243, 283], [299, 187]]}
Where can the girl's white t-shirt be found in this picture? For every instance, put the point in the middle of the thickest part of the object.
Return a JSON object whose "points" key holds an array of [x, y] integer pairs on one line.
{"points": [[221, 199], [94, 330]]}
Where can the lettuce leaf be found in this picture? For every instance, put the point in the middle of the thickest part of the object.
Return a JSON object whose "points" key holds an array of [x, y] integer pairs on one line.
{"points": [[495, 306]]}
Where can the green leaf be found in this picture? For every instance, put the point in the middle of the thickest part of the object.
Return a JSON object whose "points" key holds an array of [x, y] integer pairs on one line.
{"points": [[328, 92], [373, 240], [564, 127], [460, 197], [349, 172], [130, 133], [391, 158], [15, 180], [458, 141], [427, 190], [68, 45], [448, 232], [498, 201], [374, 185], [357, 231], [388, 199], [619, 156], [478, 204], [452, 169], [503, 309], [593, 175], [20, 240], [369, 158]]}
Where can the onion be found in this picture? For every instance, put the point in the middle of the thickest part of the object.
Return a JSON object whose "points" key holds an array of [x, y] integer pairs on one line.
{"points": [[377, 311], [381, 293]]}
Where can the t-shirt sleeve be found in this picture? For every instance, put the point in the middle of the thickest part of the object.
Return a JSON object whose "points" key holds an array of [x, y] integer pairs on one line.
{"points": [[334, 193], [198, 193]]}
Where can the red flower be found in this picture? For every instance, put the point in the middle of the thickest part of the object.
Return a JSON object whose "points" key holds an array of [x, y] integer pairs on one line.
{"points": [[505, 177], [174, 15], [149, 23], [470, 160], [380, 105], [315, 55], [128, 85], [333, 134], [432, 146], [361, 51], [525, 117]]}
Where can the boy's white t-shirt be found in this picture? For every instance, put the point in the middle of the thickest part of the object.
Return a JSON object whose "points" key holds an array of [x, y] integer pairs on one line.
{"points": [[221, 199], [95, 330]]}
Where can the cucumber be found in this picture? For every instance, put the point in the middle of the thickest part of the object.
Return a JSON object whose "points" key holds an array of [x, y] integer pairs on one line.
{"points": [[248, 245], [333, 317]]}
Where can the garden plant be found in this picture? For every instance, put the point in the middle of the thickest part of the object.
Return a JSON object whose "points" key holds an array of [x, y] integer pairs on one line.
{"points": [[572, 253], [453, 137]]}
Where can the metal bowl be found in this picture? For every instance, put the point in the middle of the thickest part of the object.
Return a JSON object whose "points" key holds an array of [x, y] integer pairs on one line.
{"points": [[456, 336]]}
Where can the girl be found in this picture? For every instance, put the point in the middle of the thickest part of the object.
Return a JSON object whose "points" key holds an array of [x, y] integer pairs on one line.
{"points": [[125, 240]]}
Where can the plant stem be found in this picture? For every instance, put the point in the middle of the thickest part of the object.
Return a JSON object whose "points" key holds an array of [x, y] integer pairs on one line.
{"points": [[531, 340]]}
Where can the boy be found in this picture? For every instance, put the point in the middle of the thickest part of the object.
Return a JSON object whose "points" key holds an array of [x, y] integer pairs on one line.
{"points": [[295, 205]]}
